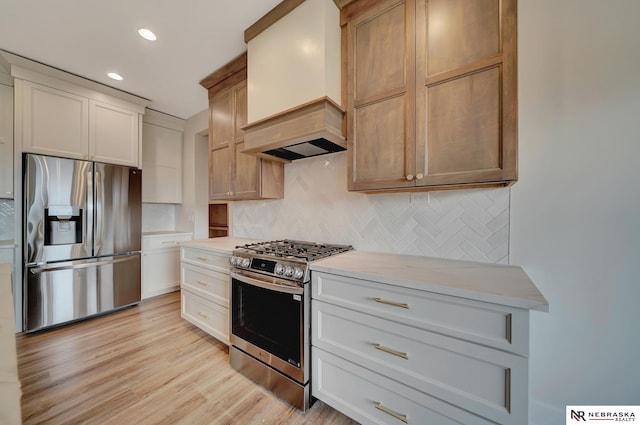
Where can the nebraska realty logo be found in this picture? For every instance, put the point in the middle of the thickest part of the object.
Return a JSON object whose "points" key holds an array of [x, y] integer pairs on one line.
{"points": [[602, 413]]}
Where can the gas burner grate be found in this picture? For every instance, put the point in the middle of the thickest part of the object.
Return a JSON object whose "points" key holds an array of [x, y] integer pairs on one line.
{"points": [[287, 248]]}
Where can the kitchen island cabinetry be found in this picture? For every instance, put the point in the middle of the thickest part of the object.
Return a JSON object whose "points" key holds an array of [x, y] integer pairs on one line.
{"points": [[408, 338], [232, 174], [205, 284], [431, 93], [161, 262]]}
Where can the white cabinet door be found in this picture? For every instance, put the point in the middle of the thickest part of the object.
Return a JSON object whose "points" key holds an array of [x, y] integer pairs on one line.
{"points": [[54, 122], [6, 141], [160, 271], [161, 164], [113, 136]]}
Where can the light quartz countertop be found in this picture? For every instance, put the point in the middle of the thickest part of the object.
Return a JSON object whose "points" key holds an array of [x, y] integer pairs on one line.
{"points": [[494, 283], [164, 233], [10, 392], [222, 245]]}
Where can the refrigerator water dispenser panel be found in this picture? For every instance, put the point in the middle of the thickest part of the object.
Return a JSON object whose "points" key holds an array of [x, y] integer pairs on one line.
{"points": [[63, 225]]}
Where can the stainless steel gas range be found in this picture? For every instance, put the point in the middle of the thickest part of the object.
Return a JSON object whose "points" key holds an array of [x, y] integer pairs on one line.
{"points": [[270, 314]]}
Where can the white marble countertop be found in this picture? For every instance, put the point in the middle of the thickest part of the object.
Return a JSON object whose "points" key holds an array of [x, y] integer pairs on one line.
{"points": [[494, 283], [222, 245]]}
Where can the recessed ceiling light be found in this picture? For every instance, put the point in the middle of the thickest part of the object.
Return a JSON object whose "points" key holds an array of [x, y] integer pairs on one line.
{"points": [[146, 33], [114, 76]]}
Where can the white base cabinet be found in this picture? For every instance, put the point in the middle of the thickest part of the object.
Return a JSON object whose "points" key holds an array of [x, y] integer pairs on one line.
{"points": [[161, 263], [205, 290], [384, 354]]}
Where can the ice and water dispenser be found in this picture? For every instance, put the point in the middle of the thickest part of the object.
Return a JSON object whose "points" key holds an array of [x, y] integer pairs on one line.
{"points": [[63, 225]]}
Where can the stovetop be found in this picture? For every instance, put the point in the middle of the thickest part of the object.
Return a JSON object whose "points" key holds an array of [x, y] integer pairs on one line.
{"points": [[285, 259], [287, 248]]}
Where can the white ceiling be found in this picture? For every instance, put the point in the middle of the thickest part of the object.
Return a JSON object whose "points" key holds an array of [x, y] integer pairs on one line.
{"points": [[91, 38]]}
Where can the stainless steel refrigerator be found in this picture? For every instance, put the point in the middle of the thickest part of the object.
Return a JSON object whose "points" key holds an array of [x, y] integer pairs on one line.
{"points": [[82, 237]]}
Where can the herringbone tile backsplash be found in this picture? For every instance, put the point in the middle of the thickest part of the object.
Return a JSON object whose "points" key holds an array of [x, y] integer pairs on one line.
{"points": [[7, 217], [458, 224]]}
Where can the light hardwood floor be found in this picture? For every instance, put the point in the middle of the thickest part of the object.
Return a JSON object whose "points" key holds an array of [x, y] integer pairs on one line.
{"points": [[144, 365]]}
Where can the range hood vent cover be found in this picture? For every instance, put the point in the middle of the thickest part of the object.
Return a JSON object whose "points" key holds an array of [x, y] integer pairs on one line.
{"points": [[312, 129]]}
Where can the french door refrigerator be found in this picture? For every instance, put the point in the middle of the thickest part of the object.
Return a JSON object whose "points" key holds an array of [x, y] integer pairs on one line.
{"points": [[82, 237]]}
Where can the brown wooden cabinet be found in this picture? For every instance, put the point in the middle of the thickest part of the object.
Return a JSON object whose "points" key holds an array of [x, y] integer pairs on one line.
{"points": [[431, 93], [232, 174]]}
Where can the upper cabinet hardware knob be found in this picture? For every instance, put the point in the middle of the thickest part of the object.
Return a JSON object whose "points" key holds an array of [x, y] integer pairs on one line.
{"points": [[409, 177], [419, 176]]}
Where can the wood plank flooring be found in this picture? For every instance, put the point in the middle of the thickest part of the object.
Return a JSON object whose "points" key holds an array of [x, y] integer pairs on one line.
{"points": [[144, 365]]}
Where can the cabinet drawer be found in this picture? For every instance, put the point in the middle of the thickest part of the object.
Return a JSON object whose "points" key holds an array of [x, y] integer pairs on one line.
{"points": [[480, 379], [489, 324], [164, 241], [208, 316], [206, 283], [356, 391], [214, 261]]}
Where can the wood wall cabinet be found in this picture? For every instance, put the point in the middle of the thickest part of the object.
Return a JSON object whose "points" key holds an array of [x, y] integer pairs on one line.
{"points": [[431, 93], [6, 141], [232, 174], [218, 219]]}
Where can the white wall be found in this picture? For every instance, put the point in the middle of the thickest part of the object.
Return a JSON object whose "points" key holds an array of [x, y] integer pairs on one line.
{"points": [[193, 214], [575, 211]]}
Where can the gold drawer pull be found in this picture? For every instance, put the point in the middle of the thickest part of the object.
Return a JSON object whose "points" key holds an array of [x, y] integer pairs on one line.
{"points": [[204, 316], [202, 258], [398, 416], [391, 351], [393, 303], [168, 242], [202, 283]]}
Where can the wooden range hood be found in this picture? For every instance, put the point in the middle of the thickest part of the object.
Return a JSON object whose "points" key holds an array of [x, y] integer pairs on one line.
{"points": [[294, 82]]}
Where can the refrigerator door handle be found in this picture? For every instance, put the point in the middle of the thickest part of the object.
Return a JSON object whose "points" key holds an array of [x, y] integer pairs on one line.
{"points": [[77, 265], [99, 207]]}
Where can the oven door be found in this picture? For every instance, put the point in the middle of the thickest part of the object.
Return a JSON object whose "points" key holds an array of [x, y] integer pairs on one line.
{"points": [[270, 321]]}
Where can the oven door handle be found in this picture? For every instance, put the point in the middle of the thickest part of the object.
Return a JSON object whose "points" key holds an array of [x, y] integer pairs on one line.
{"points": [[295, 290]]}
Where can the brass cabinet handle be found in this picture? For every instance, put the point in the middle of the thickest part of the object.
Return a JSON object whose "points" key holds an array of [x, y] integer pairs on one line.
{"points": [[393, 303], [202, 259], [409, 177], [168, 242], [204, 316], [202, 283], [391, 351], [398, 416], [419, 176]]}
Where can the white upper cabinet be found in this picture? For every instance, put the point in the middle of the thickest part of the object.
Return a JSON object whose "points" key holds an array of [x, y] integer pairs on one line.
{"points": [[113, 134], [162, 158], [6, 141], [64, 115]]}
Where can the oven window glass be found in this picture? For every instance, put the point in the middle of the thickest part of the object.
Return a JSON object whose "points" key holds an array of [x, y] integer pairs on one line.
{"points": [[268, 319]]}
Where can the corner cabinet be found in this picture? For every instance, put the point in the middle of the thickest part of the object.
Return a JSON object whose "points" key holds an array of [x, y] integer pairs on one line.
{"points": [[61, 119], [161, 262], [232, 174], [431, 93]]}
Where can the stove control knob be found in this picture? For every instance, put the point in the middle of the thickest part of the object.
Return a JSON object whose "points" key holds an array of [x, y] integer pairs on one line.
{"points": [[232, 260], [288, 271], [298, 273], [279, 269], [246, 262]]}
